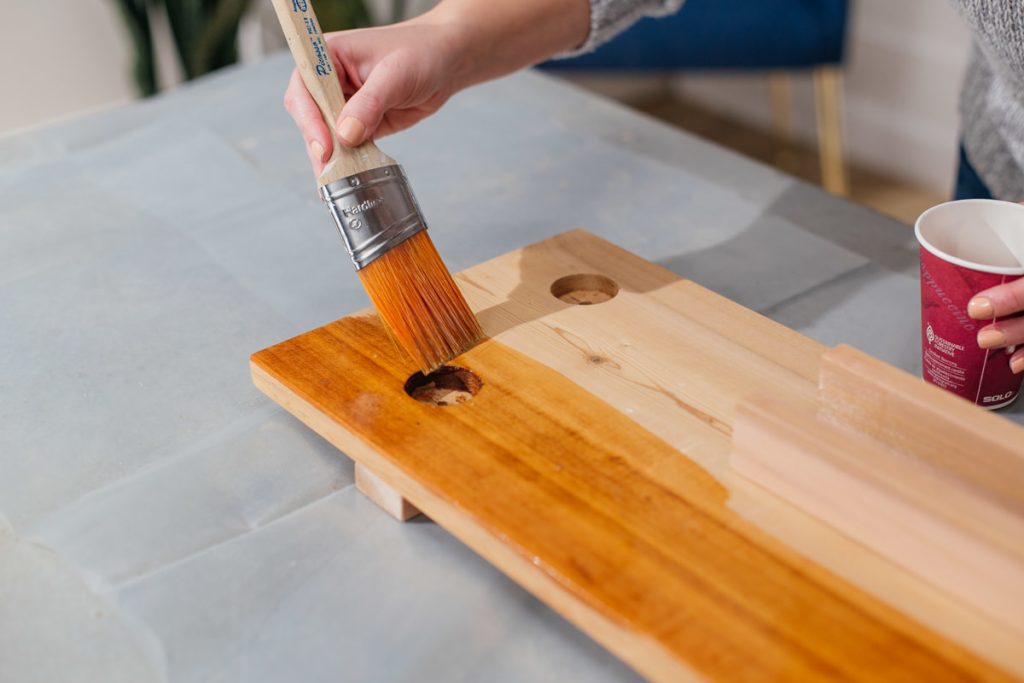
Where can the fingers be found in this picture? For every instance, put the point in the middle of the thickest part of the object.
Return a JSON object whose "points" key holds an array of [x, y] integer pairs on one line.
{"points": [[1017, 362], [305, 113], [1003, 333], [397, 120], [365, 109], [998, 301]]}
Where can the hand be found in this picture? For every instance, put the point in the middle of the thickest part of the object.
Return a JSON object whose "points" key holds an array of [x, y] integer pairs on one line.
{"points": [[997, 302], [392, 77]]}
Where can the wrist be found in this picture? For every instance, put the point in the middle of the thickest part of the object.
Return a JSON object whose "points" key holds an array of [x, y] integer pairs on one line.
{"points": [[458, 41], [491, 38]]}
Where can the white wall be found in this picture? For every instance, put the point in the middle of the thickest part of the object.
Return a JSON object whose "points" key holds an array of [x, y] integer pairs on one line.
{"points": [[906, 61], [61, 57]]}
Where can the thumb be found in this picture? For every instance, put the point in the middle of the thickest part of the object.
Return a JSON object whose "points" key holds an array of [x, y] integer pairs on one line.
{"points": [[364, 111]]}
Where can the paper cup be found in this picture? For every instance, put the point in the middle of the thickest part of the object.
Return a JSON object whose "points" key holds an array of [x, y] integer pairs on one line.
{"points": [[961, 255]]}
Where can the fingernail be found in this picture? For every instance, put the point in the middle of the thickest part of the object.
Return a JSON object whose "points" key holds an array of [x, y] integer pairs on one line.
{"points": [[980, 308], [318, 150], [1017, 365], [351, 131], [991, 339]]}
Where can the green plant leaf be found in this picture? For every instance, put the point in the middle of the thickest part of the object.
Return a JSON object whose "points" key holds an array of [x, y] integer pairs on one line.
{"points": [[397, 11], [217, 45], [136, 17], [338, 15], [205, 32]]}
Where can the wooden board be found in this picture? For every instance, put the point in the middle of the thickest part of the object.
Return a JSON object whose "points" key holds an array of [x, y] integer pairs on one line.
{"points": [[592, 469]]}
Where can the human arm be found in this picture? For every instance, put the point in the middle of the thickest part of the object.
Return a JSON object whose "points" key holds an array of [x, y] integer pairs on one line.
{"points": [[394, 76]]}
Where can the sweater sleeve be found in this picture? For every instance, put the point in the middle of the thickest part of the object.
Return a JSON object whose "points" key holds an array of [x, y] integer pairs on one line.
{"points": [[608, 18]]}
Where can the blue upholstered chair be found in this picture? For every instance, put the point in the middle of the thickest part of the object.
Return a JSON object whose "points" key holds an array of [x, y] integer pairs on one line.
{"points": [[745, 35]]}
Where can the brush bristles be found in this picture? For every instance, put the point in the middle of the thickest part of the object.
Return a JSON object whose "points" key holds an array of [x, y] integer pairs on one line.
{"points": [[420, 303]]}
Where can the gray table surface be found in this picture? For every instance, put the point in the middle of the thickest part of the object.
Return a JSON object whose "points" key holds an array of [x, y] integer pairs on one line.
{"points": [[160, 520]]}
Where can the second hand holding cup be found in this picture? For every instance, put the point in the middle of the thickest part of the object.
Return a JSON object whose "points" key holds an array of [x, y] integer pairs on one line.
{"points": [[967, 246]]}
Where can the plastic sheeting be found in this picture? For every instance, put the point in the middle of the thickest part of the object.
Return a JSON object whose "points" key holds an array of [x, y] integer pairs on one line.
{"points": [[163, 521]]}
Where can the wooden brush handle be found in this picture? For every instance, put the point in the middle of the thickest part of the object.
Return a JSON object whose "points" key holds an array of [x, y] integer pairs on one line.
{"points": [[313, 59]]}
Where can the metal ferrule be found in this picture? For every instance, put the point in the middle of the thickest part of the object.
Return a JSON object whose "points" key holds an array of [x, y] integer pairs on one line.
{"points": [[375, 211]]}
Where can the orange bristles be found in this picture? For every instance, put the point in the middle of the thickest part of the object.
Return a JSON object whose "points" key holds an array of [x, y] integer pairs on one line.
{"points": [[420, 303]]}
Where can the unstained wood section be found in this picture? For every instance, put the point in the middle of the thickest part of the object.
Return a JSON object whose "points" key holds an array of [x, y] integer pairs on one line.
{"points": [[383, 494], [979, 450], [936, 525]]}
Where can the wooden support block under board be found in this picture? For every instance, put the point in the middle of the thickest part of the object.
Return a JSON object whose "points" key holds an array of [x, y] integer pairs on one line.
{"points": [[590, 465], [383, 494]]}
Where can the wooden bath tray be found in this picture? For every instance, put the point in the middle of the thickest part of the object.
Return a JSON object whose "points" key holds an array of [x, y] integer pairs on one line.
{"points": [[592, 468]]}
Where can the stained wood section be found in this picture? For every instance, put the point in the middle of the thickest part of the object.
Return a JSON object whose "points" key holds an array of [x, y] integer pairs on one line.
{"points": [[920, 516], [592, 468], [672, 355]]}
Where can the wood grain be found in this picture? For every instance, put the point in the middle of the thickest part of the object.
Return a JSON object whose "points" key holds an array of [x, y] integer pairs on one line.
{"points": [[592, 469], [921, 517], [974, 446], [557, 475]]}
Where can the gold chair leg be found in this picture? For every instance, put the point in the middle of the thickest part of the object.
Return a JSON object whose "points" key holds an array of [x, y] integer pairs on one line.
{"points": [[828, 101], [781, 92]]}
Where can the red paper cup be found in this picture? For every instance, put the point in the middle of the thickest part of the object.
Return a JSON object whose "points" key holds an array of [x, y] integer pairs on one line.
{"points": [[960, 256]]}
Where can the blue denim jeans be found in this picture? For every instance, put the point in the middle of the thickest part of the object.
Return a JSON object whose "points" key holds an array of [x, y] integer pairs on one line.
{"points": [[968, 184]]}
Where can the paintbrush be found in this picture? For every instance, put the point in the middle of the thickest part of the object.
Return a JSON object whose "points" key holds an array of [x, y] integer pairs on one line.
{"points": [[372, 203]]}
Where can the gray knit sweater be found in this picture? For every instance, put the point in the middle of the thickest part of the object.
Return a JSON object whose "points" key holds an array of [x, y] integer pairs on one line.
{"points": [[992, 99], [991, 103], [610, 17]]}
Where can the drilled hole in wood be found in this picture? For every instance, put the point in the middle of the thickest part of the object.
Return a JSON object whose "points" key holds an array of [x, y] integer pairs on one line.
{"points": [[446, 386], [584, 289]]}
